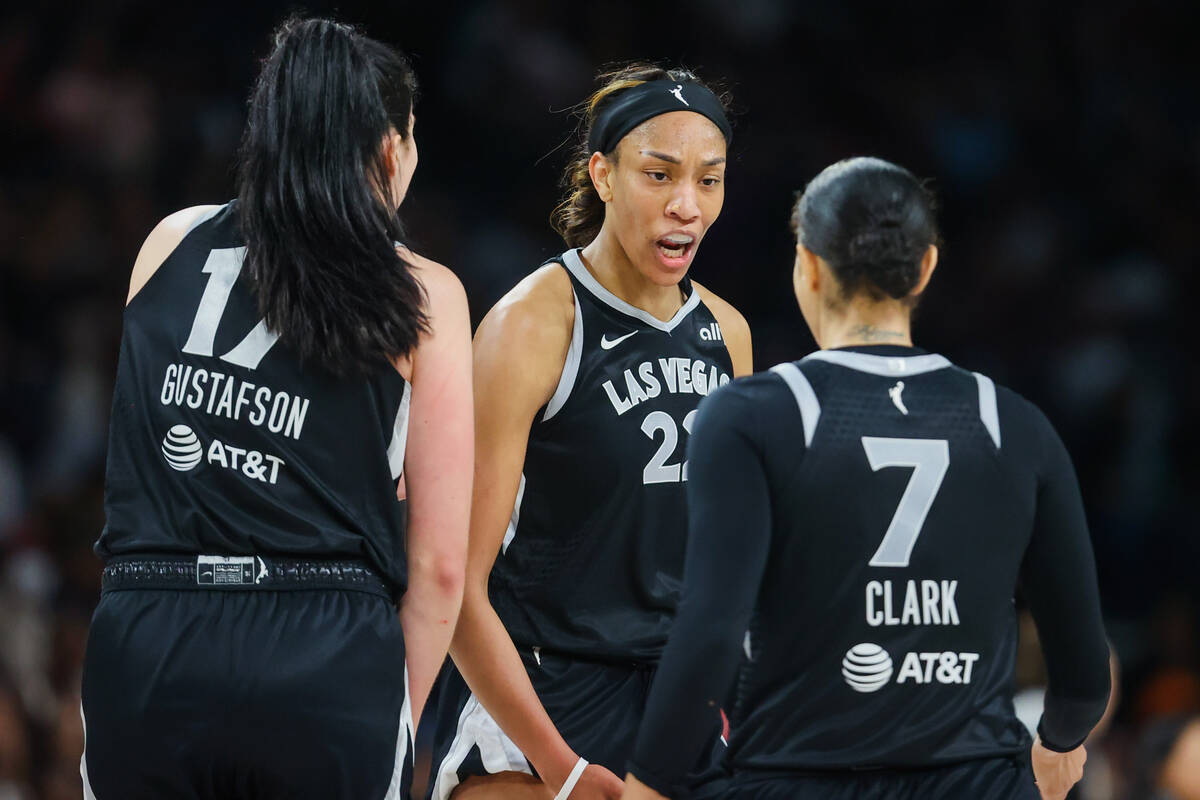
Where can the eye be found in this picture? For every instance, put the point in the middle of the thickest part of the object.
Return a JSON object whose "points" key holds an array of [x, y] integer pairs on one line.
{"points": [[657, 175], [710, 181]]}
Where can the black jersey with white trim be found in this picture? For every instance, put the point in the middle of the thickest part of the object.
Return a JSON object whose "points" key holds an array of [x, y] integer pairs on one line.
{"points": [[222, 442], [592, 561], [860, 521]]}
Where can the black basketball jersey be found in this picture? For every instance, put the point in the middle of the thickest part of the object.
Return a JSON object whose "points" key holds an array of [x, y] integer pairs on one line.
{"points": [[592, 560], [222, 442], [880, 504]]}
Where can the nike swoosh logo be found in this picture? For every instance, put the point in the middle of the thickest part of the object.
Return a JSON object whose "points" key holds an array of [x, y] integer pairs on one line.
{"points": [[609, 344]]}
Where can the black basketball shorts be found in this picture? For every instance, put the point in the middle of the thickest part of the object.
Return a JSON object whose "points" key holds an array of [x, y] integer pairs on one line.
{"points": [[980, 779], [232, 688], [597, 708]]}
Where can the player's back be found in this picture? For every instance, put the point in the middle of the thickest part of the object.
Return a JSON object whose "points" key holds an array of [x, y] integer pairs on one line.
{"points": [[223, 442], [903, 492]]}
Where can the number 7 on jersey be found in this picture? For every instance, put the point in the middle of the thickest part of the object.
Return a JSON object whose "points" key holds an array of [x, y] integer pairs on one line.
{"points": [[929, 459]]}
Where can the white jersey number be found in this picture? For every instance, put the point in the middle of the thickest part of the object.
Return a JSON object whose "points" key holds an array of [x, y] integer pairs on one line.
{"points": [[929, 459], [657, 469], [223, 267]]}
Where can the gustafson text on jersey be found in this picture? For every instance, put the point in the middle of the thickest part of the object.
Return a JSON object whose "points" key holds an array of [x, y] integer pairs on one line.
{"points": [[227, 396], [676, 375]]}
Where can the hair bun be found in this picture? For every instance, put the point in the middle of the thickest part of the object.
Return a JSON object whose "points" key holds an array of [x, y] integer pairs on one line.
{"points": [[888, 256]]}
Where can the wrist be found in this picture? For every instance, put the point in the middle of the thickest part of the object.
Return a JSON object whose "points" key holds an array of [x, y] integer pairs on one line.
{"points": [[555, 767]]}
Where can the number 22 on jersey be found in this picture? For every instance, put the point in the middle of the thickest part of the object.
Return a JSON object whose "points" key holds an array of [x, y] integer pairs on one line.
{"points": [[929, 459]]}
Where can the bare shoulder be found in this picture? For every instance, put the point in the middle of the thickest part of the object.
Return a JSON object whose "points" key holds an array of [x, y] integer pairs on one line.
{"points": [[539, 310], [734, 329], [442, 287], [729, 318], [162, 241]]}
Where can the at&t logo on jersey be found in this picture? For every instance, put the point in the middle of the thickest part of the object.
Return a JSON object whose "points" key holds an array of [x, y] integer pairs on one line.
{"points": [[868, 667], [182, 449], [183, 452]]}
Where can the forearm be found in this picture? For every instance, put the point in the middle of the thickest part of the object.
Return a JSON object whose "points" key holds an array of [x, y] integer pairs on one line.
{"points": [[427, 615], [489, 662]]}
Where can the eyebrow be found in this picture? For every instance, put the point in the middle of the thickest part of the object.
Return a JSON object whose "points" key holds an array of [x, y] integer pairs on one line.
{"points": [[712, 162]]}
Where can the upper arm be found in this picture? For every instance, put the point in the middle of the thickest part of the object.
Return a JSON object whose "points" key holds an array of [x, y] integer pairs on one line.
{"points": [[161, 242], [734, 329], [519, 352], [1059, 579], [440, 445]]}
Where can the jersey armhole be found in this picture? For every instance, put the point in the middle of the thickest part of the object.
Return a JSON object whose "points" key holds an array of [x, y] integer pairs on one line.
{"points": [[143, 290], [806, 398], [570, 370], [988, 413]]}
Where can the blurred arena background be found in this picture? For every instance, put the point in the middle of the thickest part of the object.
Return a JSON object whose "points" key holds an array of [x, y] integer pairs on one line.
{"points": [[1063, 140]]}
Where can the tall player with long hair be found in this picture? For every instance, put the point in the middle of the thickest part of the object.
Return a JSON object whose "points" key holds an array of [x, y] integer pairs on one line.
{"points": [[860, 520], [290, 457], [588, 375]]}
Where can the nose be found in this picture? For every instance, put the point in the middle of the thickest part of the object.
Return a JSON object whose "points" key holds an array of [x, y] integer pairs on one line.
{"points": [[683, 205]]}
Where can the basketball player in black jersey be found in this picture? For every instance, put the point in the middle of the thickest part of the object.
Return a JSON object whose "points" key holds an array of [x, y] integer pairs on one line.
{"points": [[859, 522], [290, 457], [588, 375]]}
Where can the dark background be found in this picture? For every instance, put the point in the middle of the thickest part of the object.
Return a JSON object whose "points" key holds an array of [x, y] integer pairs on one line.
{"points": [[1063, 141]]}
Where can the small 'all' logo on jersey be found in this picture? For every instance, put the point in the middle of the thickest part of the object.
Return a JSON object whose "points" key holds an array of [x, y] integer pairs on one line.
{"points": [[867, 667], [181, 448], [711, 333]]}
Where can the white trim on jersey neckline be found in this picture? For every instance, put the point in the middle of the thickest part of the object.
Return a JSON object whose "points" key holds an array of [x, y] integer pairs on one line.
{"points": [[890, 366], [576, 267]]}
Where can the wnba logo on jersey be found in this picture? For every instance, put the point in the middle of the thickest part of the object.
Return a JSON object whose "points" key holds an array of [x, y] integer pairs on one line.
{"points": [[181, 448], [711, 333], [867, 667]]}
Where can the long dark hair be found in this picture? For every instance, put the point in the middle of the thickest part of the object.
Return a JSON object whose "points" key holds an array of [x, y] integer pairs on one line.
{"points": [[580, 214], [872, 222], [315, 201]]}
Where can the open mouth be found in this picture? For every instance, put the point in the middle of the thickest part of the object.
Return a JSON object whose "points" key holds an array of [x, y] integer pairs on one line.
{"points": [[675, 247]]}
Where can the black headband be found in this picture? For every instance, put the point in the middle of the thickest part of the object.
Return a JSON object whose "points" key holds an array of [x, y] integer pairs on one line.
{"points": [[634, 106]]}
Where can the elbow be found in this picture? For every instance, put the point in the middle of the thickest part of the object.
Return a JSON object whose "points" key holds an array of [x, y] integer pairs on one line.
{"points": [[442, 576]]}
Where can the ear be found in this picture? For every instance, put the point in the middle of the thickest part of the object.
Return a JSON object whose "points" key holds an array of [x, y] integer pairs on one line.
{"points": [[808, 268], [601, 170], [928, 265], [390, 153]]}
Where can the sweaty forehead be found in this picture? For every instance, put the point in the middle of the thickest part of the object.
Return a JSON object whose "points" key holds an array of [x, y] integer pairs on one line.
{"points": [[684, 134]]}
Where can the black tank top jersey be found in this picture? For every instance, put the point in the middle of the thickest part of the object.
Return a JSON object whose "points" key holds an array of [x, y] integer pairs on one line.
{"points": [[223, 443], [593, 558]]}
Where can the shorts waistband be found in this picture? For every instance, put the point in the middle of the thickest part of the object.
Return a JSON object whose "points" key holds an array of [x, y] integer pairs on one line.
{"points": [[241, 573]]}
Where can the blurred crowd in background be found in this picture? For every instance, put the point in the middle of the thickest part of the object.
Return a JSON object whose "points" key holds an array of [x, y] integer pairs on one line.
{"points": [[1063, 141]]}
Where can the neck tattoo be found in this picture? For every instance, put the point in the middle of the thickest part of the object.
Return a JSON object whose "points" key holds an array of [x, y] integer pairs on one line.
{"points": [[869, 333]]}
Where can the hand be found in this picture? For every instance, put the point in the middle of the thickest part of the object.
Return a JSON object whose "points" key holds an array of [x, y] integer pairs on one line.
{"points": [[636, 790], [1055, 773], [596, 783]]}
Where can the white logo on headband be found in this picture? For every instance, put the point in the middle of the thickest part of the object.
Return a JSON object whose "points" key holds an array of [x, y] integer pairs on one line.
{"points": [[678, 92]]}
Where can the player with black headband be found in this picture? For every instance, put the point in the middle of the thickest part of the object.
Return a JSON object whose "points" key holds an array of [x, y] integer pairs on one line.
{"points": [[290, 458], [860, 520], [588, 375]]}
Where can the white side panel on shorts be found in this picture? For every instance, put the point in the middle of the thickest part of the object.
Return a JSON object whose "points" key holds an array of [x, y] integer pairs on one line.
{"points": [[396, 448], [570, 370], [404, 737], [496, 750], [511, 533], [890, 366], [987, 407], [806, 398], [88, 794]]}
